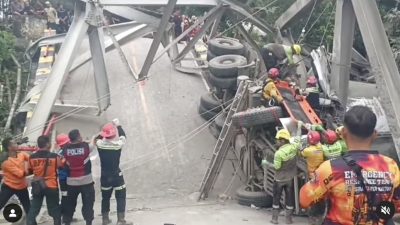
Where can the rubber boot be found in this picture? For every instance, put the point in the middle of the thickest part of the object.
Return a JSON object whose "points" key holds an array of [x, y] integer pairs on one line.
{"points": [[288, 216], [88, 222], [275, 214], [57, 222], [121, 219], [106, 219]]}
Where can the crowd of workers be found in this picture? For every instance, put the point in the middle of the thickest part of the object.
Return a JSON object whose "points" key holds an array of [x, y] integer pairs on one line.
{"points": [[58, 19], [182, 23], [346, 179], [68, 171]]}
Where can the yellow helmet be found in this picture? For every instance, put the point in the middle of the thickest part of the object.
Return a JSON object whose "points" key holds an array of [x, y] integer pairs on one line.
{"points": [[283, 134], [339, 131], [297, 49]]}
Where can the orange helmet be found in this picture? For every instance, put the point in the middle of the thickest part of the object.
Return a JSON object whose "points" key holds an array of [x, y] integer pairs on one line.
{"points": [[313, 137], [273, 73], [62, 139], [330, 137], [109, 131]]}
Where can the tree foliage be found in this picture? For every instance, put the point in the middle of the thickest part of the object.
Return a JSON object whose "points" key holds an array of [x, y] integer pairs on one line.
{"points": [[320, 27], [7, 46]]}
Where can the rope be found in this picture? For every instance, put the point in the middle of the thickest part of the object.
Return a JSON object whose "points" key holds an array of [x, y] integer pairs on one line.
{"points": [[308, 20], [241, 21], [327, 25], [315, 22], [182, 140]]}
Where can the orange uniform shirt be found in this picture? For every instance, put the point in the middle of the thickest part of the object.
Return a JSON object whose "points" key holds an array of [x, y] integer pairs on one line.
{"points": [[14, 171], [337, 183], [37, 164]]}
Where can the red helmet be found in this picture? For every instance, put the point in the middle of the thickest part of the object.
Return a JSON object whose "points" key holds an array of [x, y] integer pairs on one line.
{"points": [[313, 137], [62, 139], [109, 131], [312, 81], [330, 137], [273, 73]]}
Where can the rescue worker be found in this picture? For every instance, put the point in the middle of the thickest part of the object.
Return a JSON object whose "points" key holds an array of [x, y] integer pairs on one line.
{"points": [[313, 153], [312, 93], [285, 164], [109, 145], [314, 157], [43, 162], [332, 148], [270, 92], [79, 180], [339, 132], [62, 140], [274, 54], [14, 168], [343, 182]]}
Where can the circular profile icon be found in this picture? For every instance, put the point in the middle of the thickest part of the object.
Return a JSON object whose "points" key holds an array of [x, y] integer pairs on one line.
{"points": [[12, 213], [385, 210]]}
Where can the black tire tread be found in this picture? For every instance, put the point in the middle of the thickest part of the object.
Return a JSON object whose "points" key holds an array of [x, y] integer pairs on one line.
{"points": [[258, 199], [234, 47], [223, 83], [209, 102], [257, 116], [205, 114], [222, 70]]}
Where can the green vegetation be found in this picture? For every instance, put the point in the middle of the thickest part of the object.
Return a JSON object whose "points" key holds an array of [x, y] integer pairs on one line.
{"points": [[320, 27], [7, 75]]}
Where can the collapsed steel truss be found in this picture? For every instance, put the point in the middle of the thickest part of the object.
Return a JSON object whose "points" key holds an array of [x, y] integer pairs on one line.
{"points": [[87, 23]]}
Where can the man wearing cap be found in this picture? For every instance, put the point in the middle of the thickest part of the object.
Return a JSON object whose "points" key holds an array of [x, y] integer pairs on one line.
{"points": [[109, 145], [51, 16], [79, 180]]}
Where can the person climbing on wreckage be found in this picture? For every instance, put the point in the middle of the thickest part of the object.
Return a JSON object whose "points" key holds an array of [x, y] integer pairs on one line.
{"points": [[270, 92], [285, 164], [276, 55]]}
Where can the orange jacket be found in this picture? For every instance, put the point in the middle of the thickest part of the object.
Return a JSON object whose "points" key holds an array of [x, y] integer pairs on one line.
{"points": [[37, 164], [14, 171], [337, 183]]}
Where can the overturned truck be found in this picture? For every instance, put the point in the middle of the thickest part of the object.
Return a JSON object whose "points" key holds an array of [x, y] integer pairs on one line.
{"points": [[247, 125]]}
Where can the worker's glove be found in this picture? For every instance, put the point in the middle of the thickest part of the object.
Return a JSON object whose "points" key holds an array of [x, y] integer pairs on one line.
{"points": [[295, 140], [116, 122], [299, 98], [265, 163], [308, 126], [317, 127]]}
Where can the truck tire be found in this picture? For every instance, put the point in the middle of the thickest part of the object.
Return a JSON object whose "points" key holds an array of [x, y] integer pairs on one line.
{"points": [[257, 116], [210, 55], [246, 197], [224, 46], [209, 102], [223, 83], [228, 97], [206, 114], [219, 121], [226, 65]]}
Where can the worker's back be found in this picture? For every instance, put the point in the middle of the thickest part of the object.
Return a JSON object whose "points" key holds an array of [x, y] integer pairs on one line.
{"points": [[335, 150], [285, 161], [337, 181], [37, 162]]}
